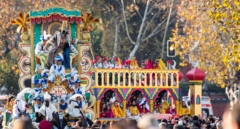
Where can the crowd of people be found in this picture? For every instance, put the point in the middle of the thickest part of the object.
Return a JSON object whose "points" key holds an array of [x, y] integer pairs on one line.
{"points": [[144, 122]]}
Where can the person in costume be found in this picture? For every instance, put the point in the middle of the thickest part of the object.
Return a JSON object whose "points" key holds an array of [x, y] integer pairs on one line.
{"points": [[77, 86], [9, 110], [117, 65], [134, 109], [117, 110], [20, 107], [144, 110], [103, 107], [49, 112], [109, 113], [71, 78], [37, 107], [37, 84], [74, 111], [99, 63], [44, 79], [63, 104], [40, 45], [106, 65], [164, 106], [62, 44], [143, 102], [113, 98], [184, 109], [57, 68]]}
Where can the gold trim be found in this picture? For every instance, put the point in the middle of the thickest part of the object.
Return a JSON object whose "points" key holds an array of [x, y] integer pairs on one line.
{"points": [[79, 50], [59, 23], [134, 86], [32, 51]]}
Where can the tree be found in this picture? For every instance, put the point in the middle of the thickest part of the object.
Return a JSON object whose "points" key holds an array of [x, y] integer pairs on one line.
{"points": [[149, 21], [205, 34]]}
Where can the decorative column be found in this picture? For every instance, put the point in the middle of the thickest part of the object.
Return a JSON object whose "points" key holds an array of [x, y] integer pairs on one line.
{"points": [[98, 108], [124, 108], [151, 105], [195, 77]]}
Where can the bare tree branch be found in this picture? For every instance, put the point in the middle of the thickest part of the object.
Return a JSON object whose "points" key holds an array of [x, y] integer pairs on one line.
{"points": [[155, 31], [126, 25], [143, 20], [165, 33]]}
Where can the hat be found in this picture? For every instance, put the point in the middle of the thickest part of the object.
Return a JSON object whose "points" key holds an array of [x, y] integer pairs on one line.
{"points": [[47, 97], [76, 79], [45, 36], [34, 80], [38, 98], [169, 61], [115, 59], [98, 57], [63, 97], [45, 125], [59, 57], [43, 73], [73, 72], [11, 97], [128, 62], [104, 59], [94, 61]]}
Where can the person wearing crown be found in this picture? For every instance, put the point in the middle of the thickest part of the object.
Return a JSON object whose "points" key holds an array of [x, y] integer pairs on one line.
{"points": [[77, 86], [49, 112], [62, 44], [58, 68], [117, 111], [44, 79]]}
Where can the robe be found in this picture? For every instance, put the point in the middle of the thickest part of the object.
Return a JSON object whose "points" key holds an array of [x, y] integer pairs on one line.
{"points": [[44, 83], [134, 110], [57, 70], [117, 112], [40, 48]]}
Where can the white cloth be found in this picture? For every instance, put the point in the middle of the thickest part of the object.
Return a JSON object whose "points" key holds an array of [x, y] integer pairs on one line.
{"points": [[116, 66], [57, 70], [80, 88], [40, 48], [37, 107], [20, 105], [48, 111], [44, 83], [107, 66], [72, 111], [98, 65], [74, 50], [128, 113]]}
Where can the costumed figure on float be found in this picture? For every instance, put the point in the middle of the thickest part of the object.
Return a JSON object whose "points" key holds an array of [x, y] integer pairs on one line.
{"points": [[74, 111], [9, 110], [49, 112]]}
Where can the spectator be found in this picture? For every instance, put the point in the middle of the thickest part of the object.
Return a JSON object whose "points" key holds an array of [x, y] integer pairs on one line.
{"points": [[45, 125], [163, 125], [23, 124], [219, 125], [178, 127], [147, 122]]}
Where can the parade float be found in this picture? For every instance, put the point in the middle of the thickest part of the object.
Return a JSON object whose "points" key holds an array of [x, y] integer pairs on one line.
{"points": [[100, 88]]}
